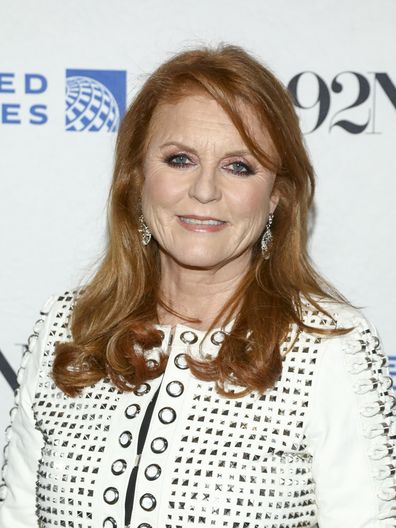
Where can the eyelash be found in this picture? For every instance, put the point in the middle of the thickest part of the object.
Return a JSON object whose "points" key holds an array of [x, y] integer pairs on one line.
{"points": [[248, 170]]}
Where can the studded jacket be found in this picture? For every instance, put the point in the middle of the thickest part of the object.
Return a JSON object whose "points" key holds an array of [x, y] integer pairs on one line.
{"points": [[317, 449]]}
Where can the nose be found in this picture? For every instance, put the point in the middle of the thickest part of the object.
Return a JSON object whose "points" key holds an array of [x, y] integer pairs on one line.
{"points": [[205, 187]]}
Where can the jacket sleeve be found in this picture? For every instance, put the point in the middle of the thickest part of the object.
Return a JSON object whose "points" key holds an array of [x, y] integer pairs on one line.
{"points": [[351, 432], [23, 442]]}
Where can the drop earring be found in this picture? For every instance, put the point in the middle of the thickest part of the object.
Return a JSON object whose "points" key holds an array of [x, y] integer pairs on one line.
{"points": [[144, 231], [266, 239]]}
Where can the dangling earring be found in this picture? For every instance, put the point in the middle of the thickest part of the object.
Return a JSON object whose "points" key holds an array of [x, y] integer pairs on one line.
{"points": [[266, 239], [144, 231]]}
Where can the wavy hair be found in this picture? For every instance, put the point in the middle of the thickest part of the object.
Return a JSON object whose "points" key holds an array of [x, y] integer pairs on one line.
{"points": [[115, 313]]}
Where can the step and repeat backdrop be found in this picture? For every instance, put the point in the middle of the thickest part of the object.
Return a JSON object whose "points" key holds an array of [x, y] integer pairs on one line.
{"points": [[57, 146]]}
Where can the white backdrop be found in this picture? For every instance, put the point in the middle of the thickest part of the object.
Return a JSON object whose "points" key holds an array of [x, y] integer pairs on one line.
{"points": [[54, 181]]}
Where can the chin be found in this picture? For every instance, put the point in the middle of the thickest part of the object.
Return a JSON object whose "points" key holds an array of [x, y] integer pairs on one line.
{"points": [[191, 258]]}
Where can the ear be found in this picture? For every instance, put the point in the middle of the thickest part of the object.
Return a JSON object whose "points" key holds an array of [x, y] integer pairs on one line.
{"points": [[274, 199]]}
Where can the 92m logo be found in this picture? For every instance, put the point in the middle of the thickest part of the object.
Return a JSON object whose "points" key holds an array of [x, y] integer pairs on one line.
{"points": [[367, 95]]}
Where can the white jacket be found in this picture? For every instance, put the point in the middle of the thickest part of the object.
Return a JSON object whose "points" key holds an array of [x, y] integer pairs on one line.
{"points": [[317, 449]]}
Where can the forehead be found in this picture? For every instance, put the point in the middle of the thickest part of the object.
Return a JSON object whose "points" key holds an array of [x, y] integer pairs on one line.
{"points": [[200, 117]]}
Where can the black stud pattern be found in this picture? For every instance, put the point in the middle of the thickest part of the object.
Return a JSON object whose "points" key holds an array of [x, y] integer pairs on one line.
{"points": [[71, 459], [236, 463], [248, 454]]}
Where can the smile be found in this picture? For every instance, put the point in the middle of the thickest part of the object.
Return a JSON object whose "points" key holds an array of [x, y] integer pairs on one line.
{"points": [[201, 224]]}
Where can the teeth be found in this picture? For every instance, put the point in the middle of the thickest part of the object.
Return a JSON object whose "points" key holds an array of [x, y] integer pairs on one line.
{"points": [[200, 222]]}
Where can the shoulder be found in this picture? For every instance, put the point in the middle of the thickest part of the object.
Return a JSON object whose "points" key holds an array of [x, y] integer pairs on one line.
{"points": [[337, 314], [357, 340], [59, 307], [355, 356], [53, 320]]}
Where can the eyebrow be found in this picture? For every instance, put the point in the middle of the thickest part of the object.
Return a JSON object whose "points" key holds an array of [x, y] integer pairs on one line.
{"points": [[191, 149]]}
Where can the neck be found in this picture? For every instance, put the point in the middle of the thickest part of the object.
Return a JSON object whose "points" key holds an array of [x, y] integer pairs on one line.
{"points": [[198, 293]]}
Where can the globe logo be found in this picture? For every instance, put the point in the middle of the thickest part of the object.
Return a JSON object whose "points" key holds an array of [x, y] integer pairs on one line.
{"points": [[90, 106]]}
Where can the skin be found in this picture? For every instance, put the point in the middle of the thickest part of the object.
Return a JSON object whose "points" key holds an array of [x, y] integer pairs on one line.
{"points": [[201, 269]]}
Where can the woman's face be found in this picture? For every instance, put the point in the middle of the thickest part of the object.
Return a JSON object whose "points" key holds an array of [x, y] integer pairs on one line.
{"points": [[205, 198]]}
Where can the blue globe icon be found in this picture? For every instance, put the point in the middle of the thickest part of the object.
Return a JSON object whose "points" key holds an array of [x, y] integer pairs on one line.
{"points": [[90, 106]]}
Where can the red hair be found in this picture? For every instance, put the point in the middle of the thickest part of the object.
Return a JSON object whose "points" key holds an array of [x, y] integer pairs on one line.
{"points": [[114, 315]]}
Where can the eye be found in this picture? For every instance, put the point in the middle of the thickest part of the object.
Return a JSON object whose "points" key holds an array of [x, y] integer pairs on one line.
{"points": [[178, 160], [241, 168]]}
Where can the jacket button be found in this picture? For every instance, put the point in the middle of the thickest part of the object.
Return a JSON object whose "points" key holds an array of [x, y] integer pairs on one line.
{"points": [[152, 472], [167, 415], [180, 361], [111, 495], [144, 525], [125, 439], [109, 522], [189, 338], [175, 388], [148, 502], [118, 466], [151, 363], [159, 445], [144, 388], [132, 410], [218, 337]]}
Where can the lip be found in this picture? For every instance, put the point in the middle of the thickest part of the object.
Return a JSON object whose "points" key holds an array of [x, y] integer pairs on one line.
{"points": [[201, 228]]}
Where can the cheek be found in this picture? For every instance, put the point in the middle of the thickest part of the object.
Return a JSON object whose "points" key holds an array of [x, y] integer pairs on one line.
{"points": [[252, 205], [160, 190]]}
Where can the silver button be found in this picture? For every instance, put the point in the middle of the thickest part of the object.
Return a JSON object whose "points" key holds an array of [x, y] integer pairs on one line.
{"points": [[151, 363], [144, 388], [167, 415], [180, 361], [175, 388], [125, 439], [111, 495], [109, 522], [189, 338], [132, 410], [218, 337], [148, 502], [152, 472], [159, 445], [118, 466]]}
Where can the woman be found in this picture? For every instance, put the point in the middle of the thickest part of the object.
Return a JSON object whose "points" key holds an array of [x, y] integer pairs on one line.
{"points": [[207, 375]]}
